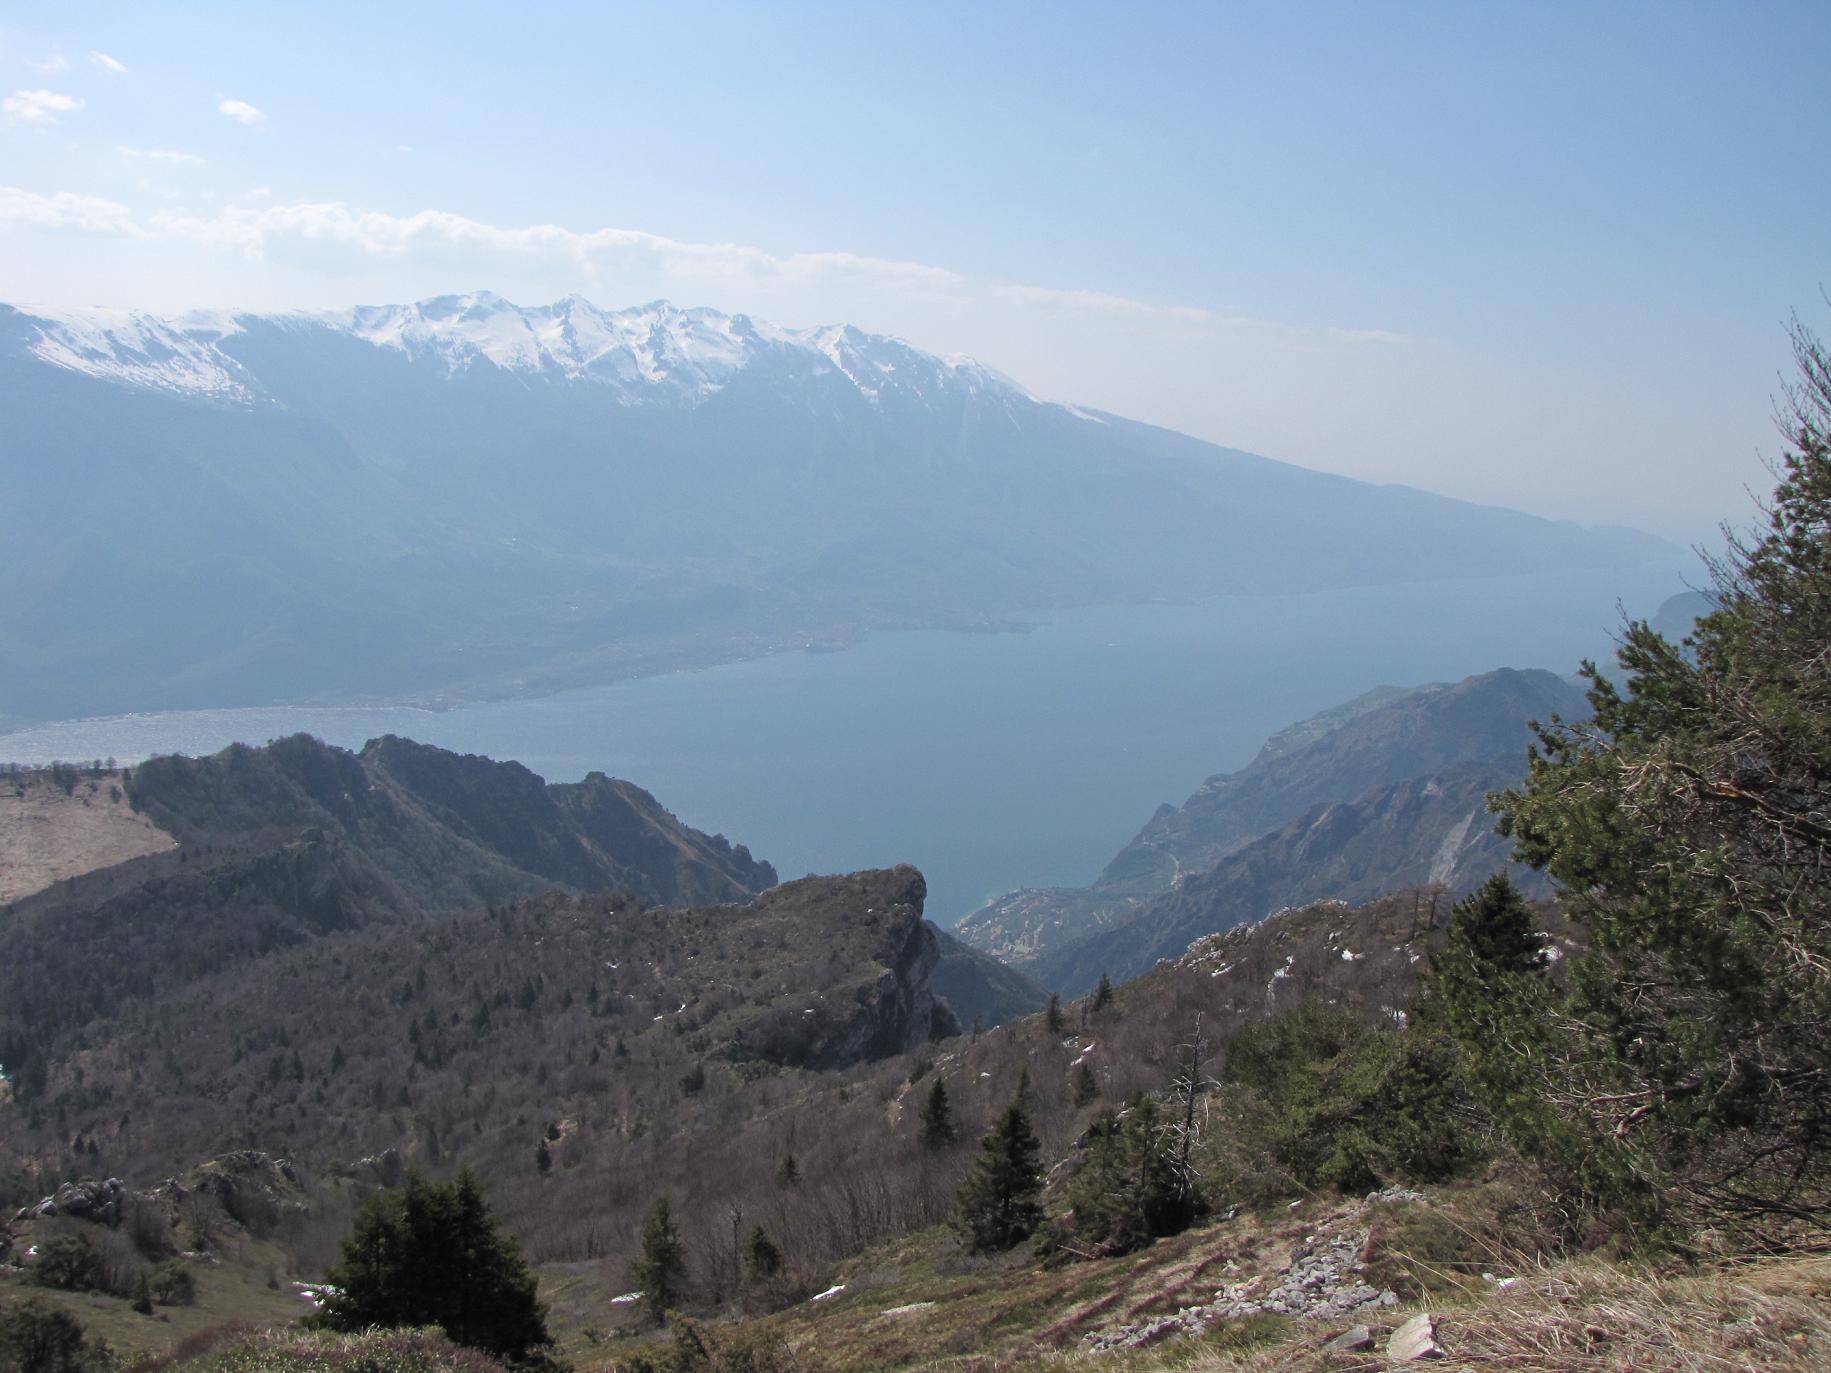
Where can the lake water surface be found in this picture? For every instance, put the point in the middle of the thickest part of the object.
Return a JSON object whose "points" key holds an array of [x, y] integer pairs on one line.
{"points": [[991, 761]]}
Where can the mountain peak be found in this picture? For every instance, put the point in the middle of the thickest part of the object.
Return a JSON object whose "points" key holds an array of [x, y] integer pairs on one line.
{"points": [[655, 352]]}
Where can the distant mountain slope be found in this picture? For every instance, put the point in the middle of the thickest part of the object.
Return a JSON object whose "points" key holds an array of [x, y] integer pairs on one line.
{"points": [[1380, 738], [1678, 615], [283, 845], [463, 497], [981, 989], [1434, 829], [455, 829]]}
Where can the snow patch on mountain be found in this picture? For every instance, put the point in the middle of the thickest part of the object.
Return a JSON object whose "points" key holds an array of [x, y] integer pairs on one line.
{"points": [[647, 353], [133, 349]]}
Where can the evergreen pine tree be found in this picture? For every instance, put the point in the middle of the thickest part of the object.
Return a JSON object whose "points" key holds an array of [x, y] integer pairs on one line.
{"points": [[938, 1118], [1128, 1192], [660, 1272], [1686, 826], [762, 1260], [430, 1254], [1103, 993], [1495, 930], [1086, 1085], [998, 1205], [1052, 1014]]}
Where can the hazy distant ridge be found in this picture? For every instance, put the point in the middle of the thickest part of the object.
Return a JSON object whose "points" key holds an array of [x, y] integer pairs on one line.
{"points": [[463, 497]]}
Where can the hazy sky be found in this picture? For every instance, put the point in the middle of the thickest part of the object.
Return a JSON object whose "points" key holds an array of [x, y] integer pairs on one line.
{"points": [[1538, 254]]}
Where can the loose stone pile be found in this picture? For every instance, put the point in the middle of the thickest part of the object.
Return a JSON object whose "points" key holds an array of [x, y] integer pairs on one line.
{"points": [[1322, 1280]]}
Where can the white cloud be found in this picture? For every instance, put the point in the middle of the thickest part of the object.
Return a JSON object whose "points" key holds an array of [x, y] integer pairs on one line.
{"points": [[1098, 302], [112, 65], [254, 229], [1367, 336], [54, 65], [375, 233], [67, 211], [38, 107], [162, 155], [243, 111]]}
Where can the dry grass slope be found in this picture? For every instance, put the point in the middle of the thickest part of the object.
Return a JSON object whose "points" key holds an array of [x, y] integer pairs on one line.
{"points": [[47, 835], [919, 1304]]}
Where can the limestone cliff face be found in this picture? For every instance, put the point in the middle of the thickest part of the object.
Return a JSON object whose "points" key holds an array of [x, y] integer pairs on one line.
{"points": [[867, 928], [900, 1009]]}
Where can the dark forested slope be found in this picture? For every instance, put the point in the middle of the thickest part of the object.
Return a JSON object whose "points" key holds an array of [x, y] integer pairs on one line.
{"points": [[454, 829]]}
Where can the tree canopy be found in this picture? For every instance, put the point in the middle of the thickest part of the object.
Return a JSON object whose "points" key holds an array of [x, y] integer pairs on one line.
{"points": [[430, 1253], [998, 1205], [660, 1271], [1689, 828]]}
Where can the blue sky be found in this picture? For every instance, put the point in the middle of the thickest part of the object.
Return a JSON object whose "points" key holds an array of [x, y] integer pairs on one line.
{"points": [[1535, 254]]}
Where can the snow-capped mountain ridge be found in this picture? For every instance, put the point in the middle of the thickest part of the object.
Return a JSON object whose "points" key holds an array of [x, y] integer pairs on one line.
{"points": [[179, 354], [652, 352]]}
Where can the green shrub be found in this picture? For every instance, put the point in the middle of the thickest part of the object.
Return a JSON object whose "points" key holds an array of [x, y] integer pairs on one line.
{"points": [[1333, 1100], [70, 1263], [35, 1337], [172, 1284]]}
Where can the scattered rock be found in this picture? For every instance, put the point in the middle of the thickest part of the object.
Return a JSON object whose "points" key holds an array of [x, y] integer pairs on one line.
{"points": [[1323, 1280], [1416, 1339], [1352, 1340], [384, 1168], [908, 1310], [1191, 1320]]}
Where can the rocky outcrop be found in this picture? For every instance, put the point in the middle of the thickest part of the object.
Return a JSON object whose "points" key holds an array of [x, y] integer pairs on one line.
{"points": [[101, 1201], [254, 1189], [884, 1002], [900, 1009]]}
